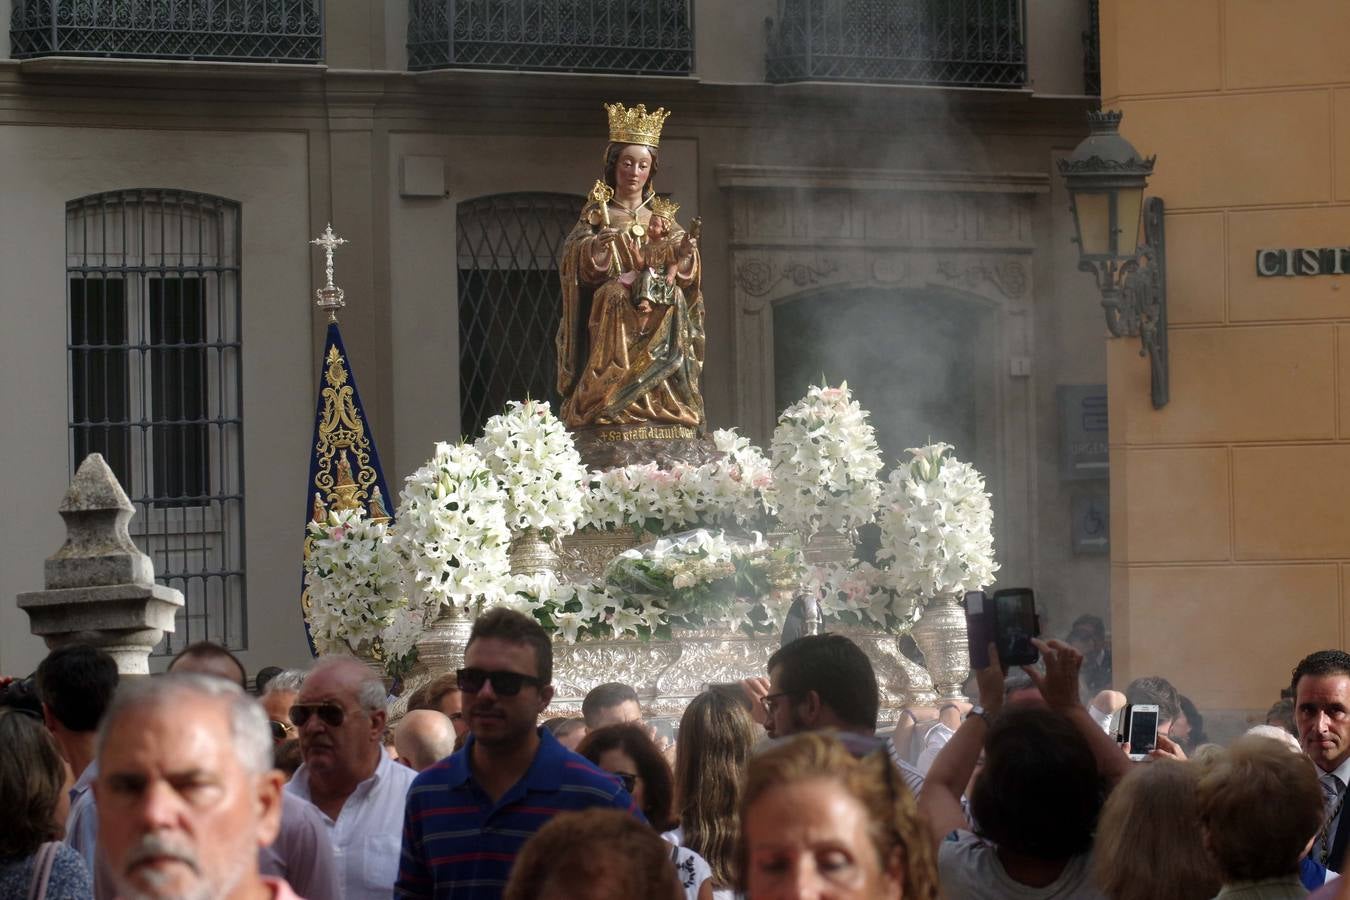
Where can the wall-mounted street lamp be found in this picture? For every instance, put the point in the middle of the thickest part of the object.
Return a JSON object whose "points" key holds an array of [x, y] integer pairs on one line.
{"points": [[1106, 177]]}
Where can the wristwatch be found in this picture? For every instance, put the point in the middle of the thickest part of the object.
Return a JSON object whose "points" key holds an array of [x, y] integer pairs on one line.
{"points": [[978, 710]]}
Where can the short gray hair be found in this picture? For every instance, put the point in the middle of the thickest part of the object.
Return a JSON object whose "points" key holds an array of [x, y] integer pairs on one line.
{"points": [[285, 680], [370, 690], [249, 730]]}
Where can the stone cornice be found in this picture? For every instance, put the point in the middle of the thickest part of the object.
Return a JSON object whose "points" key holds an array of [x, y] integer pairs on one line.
{"points": [[854, 179]]}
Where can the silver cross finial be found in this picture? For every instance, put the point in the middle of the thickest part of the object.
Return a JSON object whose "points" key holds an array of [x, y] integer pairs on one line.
{"points": [[329, 296]]}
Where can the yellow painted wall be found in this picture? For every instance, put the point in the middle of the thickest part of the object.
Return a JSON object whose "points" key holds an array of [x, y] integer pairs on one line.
{"points": [[1231, 506]]}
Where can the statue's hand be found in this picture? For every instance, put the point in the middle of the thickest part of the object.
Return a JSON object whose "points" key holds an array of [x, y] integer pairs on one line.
{"points": [[607, 235], [686, 250], [635, 253]]}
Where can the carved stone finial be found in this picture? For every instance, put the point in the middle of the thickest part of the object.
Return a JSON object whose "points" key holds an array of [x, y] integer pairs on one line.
{"points": [[100, 587], [98, 547]]}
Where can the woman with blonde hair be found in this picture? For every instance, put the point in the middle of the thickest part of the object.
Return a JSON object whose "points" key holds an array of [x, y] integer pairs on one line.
{"points": [[716, 736], [817, 821], [1149, 845]]}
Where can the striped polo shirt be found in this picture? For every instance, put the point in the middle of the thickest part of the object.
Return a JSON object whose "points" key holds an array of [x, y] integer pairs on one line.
{"points": [[458, 844]]}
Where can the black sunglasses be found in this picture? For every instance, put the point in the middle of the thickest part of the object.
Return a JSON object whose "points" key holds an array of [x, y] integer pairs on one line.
{"points": [[627, 779], [281, 730], [504, 684], [331, 714]]}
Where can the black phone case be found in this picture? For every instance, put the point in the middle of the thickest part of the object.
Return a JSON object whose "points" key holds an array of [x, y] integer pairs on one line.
{"points": [[980, 631]]}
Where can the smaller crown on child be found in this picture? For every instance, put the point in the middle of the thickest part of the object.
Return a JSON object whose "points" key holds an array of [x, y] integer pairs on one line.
{"points": [[665, 209]]}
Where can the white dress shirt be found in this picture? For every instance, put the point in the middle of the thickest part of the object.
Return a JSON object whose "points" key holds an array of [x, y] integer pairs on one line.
{"points": [[368, 834]]}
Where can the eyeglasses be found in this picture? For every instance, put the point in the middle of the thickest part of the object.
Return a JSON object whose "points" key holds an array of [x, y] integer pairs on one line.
{"points": [[330, 714], [770, 699], [504, 684], [627, 779], [280, 730]]}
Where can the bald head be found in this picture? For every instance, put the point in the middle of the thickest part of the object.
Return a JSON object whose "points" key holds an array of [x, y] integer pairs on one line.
{"points": [[424, 737]]}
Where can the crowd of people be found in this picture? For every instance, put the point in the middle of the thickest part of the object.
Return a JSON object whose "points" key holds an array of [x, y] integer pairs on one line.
{"points": [[191, 785]]}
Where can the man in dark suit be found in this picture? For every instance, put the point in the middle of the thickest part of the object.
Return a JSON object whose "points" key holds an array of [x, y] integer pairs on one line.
{"points": [[1321, 685]]}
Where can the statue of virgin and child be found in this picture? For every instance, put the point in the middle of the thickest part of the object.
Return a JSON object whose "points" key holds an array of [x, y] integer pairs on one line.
{"points": [[630, 342]]}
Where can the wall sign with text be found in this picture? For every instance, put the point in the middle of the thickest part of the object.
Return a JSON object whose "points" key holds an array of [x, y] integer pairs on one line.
{"points": [[1303, 261]]}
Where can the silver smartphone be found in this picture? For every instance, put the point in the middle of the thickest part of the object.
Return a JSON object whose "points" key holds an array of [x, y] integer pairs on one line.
{"points": [[1141, 729]]}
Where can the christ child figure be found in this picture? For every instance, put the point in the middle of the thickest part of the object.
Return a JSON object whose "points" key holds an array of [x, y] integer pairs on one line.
{"points": [[660, 262]]}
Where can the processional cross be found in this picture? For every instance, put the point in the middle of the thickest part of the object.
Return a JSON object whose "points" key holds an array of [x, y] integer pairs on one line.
{"points": [[329, 296]]}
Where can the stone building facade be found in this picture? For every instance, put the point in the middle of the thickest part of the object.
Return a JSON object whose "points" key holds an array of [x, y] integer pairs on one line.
{"points": [[895, 223], [1230, 542]]}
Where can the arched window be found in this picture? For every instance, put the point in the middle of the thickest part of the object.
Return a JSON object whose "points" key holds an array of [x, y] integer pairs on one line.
{"points": [[153, 296], [510, 300]]}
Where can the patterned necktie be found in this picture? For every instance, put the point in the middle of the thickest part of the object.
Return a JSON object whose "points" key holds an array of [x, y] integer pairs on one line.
{"points": [[1333, 794]]}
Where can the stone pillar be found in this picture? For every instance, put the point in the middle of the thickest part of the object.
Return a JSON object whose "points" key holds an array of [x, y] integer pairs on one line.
{"points": [[100, 588]]}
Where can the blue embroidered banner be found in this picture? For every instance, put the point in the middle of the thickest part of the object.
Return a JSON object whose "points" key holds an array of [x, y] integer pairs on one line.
{"points": [[344, 467]]}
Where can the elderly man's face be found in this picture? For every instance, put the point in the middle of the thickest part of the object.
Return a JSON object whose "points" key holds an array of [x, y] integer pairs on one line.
{"points": [[348, 750], [179, 814]]}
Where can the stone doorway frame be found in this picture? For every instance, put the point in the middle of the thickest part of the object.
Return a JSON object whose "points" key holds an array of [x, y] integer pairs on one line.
{"points": [[801, 231]]}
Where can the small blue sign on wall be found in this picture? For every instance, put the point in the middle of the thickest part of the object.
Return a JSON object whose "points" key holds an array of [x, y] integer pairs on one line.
{"points": [[1083, 434]]}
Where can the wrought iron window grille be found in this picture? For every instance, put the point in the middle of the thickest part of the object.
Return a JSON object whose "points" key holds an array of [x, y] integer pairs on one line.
{"points": [[955, 43], [1092, 52], [153, 281], [277, 31], [510, 300], [632, 37]]}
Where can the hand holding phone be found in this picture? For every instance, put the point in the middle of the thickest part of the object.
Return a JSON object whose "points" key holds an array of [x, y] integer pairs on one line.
{"points": [[1059, 684], [989, 681], [1141, 729]]}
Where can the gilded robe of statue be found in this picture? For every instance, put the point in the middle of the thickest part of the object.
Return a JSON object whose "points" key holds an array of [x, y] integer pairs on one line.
{"points": [[611, 369]]}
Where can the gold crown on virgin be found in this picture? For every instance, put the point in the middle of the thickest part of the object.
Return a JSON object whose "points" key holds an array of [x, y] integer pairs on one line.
{"points": [[665, 209], [636, 125]]}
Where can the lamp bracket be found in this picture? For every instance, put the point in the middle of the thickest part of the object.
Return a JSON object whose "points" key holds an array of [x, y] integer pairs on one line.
{"points": [[1134, 297]]}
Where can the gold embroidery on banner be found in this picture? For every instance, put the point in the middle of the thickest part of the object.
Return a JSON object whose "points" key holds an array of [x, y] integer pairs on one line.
{"points": [[344, 477]]}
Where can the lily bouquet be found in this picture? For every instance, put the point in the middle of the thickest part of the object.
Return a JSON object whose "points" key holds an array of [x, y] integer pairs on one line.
{"points": [[450, 535], [859, 594], [537, 466], [729, 491], [825, 463], [352, 581], [937, 527]]}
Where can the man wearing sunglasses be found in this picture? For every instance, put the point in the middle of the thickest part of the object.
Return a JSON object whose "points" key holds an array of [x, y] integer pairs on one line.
{"points": [[468, 815], [340, 716]]}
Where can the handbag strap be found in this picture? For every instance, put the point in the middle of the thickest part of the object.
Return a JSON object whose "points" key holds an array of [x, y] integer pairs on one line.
{"points": [[42, 870]]}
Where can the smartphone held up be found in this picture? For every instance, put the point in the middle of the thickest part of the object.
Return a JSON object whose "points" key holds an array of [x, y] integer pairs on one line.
{"points": [[1140, 729], [1008, 620]]}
